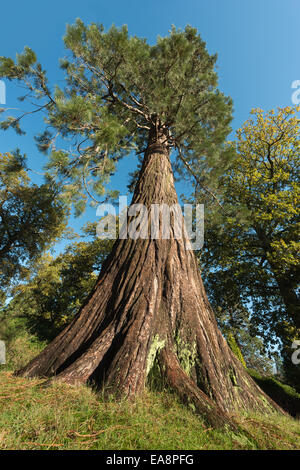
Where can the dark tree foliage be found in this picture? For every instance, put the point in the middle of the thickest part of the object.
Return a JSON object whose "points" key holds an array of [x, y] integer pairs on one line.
{"points": [[31, 218]]}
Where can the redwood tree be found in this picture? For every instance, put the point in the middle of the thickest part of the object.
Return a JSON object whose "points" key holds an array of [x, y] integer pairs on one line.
{"points": [[148, 305]]}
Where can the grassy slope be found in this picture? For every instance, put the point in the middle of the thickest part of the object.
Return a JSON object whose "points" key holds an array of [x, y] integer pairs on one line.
{"points": [[63, 417]]}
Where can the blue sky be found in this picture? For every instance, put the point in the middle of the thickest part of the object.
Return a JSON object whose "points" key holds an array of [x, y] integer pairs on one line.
{"points": [[257, 42]]}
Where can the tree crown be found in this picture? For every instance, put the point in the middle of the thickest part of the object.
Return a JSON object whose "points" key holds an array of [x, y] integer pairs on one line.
{"points": [[118, 88]]}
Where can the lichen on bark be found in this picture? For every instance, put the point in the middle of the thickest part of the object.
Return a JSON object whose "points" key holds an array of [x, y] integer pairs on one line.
{"points": [[187, 353], [156, 345]]}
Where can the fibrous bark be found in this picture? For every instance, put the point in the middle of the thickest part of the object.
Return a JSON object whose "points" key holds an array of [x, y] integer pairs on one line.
{"points": [[149, 303]]}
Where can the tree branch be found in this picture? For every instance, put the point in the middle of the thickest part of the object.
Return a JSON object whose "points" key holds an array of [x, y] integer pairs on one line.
{"points": [[190, 169]]}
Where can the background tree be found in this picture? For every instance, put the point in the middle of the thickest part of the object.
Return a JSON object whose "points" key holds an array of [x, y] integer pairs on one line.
{"points": [[235, 324], [31, 218], [148, 301], [251, 253], [58, 286]]}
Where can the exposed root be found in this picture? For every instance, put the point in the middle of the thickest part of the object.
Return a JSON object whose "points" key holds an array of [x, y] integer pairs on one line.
{"points": [[190, 394], [82, 368]]}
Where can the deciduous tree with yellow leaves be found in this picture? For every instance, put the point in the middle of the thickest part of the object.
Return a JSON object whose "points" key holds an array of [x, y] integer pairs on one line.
{"points": [[253, 254]]}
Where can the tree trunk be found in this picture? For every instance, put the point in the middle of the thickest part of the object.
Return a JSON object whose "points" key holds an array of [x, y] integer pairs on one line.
{"points": [[149, 303], [290, 298]]}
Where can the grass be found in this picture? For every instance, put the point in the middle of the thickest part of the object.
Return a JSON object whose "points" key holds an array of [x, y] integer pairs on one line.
{"points": [[62, 417], [71, 418], [21, 344]]}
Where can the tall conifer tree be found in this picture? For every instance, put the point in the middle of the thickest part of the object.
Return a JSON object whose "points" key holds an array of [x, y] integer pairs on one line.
{"points": [[148, 303]]}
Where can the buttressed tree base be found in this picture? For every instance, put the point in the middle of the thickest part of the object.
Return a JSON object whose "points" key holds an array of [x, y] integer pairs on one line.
{"points": [[149, 303]]}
